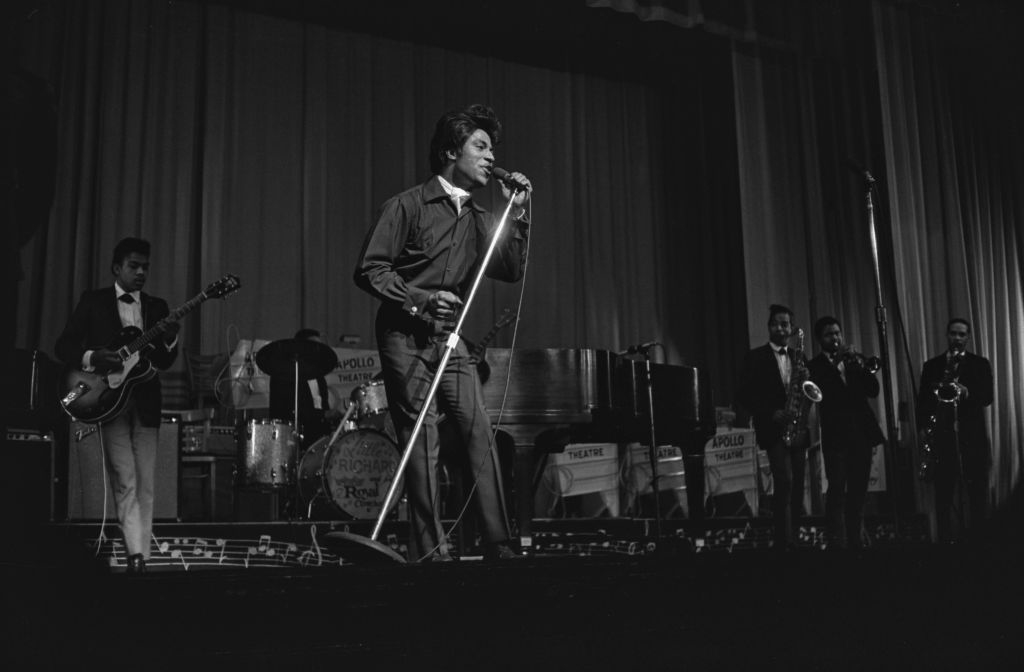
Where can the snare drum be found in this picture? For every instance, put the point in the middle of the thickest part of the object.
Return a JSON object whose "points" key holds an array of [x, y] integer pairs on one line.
{"points": [[370, 399], [266, 454], [353, 474]]}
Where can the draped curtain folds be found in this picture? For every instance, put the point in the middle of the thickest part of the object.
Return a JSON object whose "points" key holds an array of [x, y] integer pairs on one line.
{"points": [[946, 151], [954, 155], [239, 142], [685, 179]]}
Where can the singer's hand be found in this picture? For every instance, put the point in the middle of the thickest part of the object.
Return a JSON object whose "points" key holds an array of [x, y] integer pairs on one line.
{"points": [[523, 195], [443, 305]]}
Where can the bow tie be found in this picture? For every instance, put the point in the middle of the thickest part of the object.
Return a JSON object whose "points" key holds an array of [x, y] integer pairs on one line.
{"points": [[127, 298], [783, 352]]}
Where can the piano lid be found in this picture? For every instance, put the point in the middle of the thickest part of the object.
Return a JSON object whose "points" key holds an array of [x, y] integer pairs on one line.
{"points": [[549, 385]]}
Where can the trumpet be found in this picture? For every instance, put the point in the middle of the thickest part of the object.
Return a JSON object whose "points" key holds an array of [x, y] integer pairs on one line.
{"points": [[869, 364]]}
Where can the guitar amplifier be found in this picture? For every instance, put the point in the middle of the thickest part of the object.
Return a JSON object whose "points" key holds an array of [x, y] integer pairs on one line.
{"points": [[212, 439], [89, 486], [30, 477]]}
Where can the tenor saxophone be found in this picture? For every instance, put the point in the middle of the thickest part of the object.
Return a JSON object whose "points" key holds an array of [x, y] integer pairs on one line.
{"points": [[802, 393]]}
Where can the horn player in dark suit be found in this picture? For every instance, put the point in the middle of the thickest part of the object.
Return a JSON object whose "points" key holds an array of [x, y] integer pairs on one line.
{"points": [[849, 433], [963, 453], [762, 391], [130, 438]]}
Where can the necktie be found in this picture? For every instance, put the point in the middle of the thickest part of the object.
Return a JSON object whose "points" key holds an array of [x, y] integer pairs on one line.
{"points": [[127, 298]]}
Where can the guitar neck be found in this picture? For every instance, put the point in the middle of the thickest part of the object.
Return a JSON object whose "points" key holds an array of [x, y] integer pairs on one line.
{"points": [[498, 326], [147, 337]]}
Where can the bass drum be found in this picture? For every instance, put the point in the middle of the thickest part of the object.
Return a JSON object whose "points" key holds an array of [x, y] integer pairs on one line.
{"points": [[352, 475]]}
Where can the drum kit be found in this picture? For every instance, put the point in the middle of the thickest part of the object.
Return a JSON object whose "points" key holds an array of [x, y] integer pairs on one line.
{"points": [[349, 470]]}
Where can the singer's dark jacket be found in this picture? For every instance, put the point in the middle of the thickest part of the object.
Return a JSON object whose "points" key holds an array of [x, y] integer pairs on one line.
{"points": [[96, 324], [975, 373], [417, 248]]}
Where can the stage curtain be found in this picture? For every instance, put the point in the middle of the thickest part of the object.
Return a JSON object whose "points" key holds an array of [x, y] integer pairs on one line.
{"points": [[239, 142], [804, 119], [955, 184]]}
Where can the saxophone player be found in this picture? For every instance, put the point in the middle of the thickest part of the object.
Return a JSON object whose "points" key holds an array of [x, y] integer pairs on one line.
{"points": [[762, 391], [849, 432], [956, 386]]}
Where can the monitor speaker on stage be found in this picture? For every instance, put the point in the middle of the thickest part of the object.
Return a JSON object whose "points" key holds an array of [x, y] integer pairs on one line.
{"points": [[87, 483], [30, 476]]}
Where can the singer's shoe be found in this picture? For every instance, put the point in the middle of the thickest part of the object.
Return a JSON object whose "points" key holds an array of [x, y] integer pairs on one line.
{"points": [[499, 552], [136, 564]]}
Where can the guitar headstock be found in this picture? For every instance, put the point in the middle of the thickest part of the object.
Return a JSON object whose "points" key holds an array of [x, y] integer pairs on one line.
{"points": [[229, 283], [507, 317]]}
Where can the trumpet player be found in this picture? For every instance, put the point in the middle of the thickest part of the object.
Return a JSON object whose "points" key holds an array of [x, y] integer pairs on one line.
{"points": [[849, 432], [956, 386]]}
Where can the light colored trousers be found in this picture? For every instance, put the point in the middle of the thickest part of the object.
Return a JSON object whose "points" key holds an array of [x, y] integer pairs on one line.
{"points": [[130, 451]]}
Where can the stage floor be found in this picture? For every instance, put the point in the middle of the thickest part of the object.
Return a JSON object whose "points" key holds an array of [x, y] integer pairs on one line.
{"points": [[896, 605]]}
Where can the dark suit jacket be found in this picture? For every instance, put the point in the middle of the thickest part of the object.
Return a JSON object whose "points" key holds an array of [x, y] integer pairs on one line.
{"points": [[760, 392], [975, 373], [95, 324], [846, 417]]}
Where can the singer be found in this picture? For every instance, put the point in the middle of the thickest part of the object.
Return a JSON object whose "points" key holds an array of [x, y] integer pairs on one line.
{"points": [[419, 259]]}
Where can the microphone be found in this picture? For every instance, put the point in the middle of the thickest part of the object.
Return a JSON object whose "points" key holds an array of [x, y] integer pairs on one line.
{"points": [[506, 177], [858, 168], [641, 348]]}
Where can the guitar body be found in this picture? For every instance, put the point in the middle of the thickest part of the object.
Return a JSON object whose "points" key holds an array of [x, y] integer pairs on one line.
{"points": [[98, 397], [478, 356], [95, 397]]}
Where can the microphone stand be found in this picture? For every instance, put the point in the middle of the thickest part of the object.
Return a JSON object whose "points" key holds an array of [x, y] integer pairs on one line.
{"points": [[450, 345], [892, 429], [653, 452]]}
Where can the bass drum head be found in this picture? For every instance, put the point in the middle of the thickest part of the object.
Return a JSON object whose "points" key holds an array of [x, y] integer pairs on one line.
{"points": [[357, 470], [310, 470]]}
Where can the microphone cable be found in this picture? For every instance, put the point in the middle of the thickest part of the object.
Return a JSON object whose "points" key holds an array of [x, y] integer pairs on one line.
{"points": [[501, 409]]}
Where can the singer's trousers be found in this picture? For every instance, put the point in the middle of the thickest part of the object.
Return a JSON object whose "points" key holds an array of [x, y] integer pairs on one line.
{"points": [[409, 361]]}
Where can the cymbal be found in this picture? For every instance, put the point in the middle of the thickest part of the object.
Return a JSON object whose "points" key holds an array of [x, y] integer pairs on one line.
{"points": [[279, 357]]}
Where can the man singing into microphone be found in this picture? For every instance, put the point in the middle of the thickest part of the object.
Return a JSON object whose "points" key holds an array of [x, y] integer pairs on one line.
{"points": [[420, 259]]}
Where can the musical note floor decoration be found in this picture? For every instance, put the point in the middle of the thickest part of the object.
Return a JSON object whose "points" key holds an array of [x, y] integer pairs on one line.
{"points": [[199, 552], [182, 547]]}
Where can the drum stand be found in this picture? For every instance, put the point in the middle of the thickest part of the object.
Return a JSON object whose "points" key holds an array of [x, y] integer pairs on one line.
{"points": [[450, 345], [334, 437], [295, 496]]}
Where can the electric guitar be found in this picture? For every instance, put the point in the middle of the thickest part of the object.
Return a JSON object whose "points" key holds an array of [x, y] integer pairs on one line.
{"points": [[478, 351], [95, 397]]}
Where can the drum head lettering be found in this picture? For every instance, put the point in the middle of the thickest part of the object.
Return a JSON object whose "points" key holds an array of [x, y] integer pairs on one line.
{"points": [[358, 471]]}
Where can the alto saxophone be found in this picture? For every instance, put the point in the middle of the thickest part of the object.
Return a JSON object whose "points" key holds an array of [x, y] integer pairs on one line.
{"points": [[801, 394]]}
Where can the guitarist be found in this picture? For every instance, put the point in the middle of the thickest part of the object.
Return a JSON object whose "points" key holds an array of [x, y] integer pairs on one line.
{"points": [[128, 440]]}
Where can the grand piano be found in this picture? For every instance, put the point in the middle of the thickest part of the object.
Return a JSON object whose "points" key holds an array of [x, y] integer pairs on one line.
{"points": [[555, 397]]}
